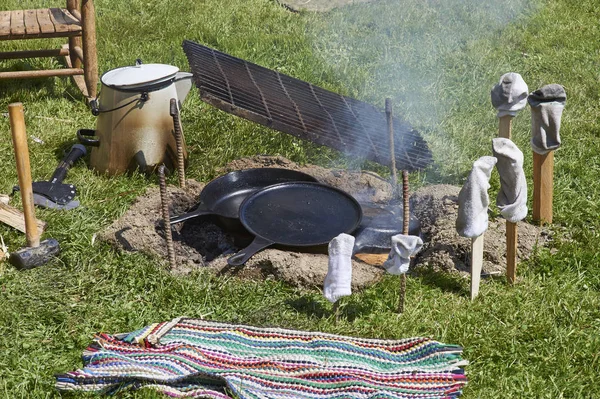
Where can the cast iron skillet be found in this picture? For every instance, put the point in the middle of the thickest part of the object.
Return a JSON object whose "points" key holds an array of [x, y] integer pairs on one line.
{"points": [[296, 214], [379, 224], [223, 195]]}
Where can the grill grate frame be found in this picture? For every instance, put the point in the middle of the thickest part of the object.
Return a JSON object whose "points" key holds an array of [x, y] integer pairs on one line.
{"points": [[303, 110]]}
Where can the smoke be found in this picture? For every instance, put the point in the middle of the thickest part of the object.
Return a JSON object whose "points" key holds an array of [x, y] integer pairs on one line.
{"points": [[404, 49]]}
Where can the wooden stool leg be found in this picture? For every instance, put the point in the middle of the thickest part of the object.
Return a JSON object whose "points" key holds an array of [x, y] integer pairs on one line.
{"points": [[90, 61]]}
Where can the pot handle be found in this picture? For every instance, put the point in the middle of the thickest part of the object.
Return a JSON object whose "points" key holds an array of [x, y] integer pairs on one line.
{"points": [[85, 141], [241, 257]]}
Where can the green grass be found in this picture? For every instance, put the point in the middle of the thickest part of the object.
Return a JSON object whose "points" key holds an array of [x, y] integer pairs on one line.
{"points": [[438, 61]]}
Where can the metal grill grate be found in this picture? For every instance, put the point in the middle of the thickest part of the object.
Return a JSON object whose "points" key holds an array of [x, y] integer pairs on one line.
{"points": [[302, 110]]}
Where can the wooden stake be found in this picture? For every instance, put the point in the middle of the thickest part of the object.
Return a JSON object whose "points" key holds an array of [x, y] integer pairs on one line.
{"points": [[504, 130], [511, 252], [476, 264], [543, 176]]}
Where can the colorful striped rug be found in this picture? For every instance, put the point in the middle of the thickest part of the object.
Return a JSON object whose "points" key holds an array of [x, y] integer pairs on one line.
{"points": [[191, 358]]}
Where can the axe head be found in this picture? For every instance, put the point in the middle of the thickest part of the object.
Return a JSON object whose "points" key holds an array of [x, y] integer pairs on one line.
{"points": [[45, 202], [53, 195]]}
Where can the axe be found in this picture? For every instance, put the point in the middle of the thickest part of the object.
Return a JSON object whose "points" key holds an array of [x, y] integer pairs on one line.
{"points": [[54, 193]]}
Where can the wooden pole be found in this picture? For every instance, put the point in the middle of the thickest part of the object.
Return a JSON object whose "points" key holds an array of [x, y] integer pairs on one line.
{"points": [[19, 137], [164, 207], [543, 181], [90, 60], [390, 125], [504, 130], [476, 264]]}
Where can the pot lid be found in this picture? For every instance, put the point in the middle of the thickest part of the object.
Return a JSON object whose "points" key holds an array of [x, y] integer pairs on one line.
{"points": [[136, 75]]}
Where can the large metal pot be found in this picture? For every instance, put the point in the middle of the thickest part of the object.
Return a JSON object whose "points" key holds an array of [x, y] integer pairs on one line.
{"points": [[135, 129]]}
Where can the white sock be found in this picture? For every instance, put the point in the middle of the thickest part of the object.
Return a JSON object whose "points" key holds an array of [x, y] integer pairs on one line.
{"points": [[403, 247], [473, 199], [338, 282]]}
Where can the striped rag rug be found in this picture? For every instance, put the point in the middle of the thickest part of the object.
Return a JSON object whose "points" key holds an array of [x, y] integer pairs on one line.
{"points": [[192, 358]]}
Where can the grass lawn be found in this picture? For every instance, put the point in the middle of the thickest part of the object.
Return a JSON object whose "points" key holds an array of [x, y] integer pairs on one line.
{"points": [[438, 61]]}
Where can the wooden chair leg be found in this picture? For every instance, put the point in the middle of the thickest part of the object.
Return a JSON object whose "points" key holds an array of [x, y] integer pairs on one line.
{"points": [[74, 42], [90, 61]]}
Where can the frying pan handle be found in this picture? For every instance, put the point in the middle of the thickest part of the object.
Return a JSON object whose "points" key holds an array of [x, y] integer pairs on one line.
{"points": [[200, 211], [241, 257]]}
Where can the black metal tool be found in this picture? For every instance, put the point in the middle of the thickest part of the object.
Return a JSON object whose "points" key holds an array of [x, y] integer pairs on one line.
{"points": [[298, 214], [53, 193], [223, 196]]}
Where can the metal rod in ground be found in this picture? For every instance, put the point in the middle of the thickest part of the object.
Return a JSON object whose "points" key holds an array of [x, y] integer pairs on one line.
{"points": [[336, 311], [174, 110], [405, 224], [164, 201], [390, 125]]}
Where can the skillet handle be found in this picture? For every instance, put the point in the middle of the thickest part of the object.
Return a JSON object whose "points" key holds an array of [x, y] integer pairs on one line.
{"points": [[241, 257], [200, 211]]}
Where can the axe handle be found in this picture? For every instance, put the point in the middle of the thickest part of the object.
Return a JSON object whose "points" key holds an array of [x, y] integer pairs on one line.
{"points": [[19, 137], [77, 151]]}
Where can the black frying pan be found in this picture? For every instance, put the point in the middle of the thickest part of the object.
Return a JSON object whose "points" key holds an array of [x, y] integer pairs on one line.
{"points": [[296, 214], [379, 224], [224, 195]]}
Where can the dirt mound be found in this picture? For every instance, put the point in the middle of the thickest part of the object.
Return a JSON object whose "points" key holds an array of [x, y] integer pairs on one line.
{"points": [[205, 242]]}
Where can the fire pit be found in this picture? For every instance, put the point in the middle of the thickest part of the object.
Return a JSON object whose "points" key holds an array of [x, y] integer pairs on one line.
{"points": [[206, 243]]}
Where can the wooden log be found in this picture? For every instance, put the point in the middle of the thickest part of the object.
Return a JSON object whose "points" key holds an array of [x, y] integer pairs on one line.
{"points": [[90, 61], [14, 218], [476, 264], [41, 74], [17, 55], [19, 137], [543, 181], [4, 199]]}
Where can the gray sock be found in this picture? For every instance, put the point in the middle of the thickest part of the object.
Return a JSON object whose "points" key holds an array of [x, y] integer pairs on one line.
{"points": [[509, 96], [512, 197], [547, 104], [473, 199]]}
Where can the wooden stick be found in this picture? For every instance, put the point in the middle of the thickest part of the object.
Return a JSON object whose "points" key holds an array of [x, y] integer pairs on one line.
{"points": [[61, 52], [390, 123], [476, 264], [19, 137], [511, 252], [41, 74], [504, 130], [16, 219], [543, 176], [505, 127], [88, 34]]}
